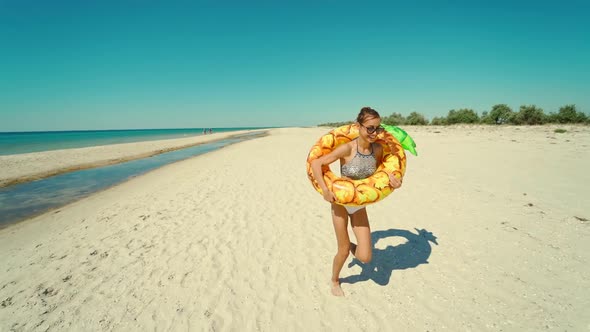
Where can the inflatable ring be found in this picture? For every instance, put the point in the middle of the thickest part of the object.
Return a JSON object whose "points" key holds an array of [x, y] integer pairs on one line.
{"points": [[364, 191]]}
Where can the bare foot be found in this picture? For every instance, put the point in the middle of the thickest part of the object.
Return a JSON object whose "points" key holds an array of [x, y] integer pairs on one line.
{"points": [[336, 290]]}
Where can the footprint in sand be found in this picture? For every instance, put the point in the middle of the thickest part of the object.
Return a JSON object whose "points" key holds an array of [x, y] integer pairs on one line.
{"points": [[49, 291], [6, 302]]}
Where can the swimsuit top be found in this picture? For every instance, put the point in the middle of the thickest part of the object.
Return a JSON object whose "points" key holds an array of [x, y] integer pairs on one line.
{"points": [[361, 166]]}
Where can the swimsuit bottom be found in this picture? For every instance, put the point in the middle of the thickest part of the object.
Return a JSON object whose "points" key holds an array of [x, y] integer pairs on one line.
{"points": [[352, 209]]}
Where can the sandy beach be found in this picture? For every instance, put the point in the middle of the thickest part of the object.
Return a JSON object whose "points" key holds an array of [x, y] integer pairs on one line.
{"points": [[490, 232]]}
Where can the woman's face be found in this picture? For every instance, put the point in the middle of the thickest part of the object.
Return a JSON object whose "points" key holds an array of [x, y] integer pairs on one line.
{"points": [[370, 128]]}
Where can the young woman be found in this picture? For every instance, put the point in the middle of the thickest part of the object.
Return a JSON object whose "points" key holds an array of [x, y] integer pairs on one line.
{"points": [[358, 160]]}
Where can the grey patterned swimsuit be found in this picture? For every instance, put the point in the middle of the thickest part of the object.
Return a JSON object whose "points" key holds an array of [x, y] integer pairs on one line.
{"points": [[361, 166]]}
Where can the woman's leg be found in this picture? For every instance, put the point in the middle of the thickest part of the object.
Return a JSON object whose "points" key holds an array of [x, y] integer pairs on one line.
{"points": [[363, 251], [340, 221]]}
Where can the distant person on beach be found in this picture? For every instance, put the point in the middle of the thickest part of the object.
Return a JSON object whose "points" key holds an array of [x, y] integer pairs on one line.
{"points": [[204, 131], [359, 159], [210, 130]]}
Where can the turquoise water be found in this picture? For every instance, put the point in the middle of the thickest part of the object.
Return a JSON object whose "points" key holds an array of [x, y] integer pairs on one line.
{"points": [[25, 142], [26, 200]]}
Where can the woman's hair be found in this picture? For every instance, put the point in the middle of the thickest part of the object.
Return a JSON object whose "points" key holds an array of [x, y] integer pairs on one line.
{"points": [[366, 113]]}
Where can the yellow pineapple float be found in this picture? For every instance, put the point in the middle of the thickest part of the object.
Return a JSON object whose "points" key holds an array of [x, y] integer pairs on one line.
{"points": [[364, 191]]}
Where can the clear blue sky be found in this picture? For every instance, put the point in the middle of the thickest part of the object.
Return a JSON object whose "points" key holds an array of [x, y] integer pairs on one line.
{"points": [[146, 64]]}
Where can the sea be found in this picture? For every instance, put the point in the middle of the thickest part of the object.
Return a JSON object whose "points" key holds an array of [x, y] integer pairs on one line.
{"points": [[25, 200], [37, 141]]}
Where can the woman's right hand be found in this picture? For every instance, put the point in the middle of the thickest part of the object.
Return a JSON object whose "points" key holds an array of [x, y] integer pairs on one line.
{"points": [[328, 196]]}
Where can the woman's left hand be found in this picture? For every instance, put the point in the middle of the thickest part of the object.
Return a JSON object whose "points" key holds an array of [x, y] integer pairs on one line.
{"points": [[395, 182]]}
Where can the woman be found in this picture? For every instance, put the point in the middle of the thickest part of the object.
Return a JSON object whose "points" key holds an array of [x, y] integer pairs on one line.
{"points": [[358, 160]]}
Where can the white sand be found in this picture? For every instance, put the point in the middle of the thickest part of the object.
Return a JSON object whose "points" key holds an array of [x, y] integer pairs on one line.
{"points": [[238, 240]]}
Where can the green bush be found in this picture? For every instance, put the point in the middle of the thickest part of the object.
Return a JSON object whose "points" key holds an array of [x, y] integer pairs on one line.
{"points": [[552, 118], [569, 114], [416, 119], [394, 119], [500, 114], [464, 115], [438, 121], [560, 131], [528, 115], [486, 118]]}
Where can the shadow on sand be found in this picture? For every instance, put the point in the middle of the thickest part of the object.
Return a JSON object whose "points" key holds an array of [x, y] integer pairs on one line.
{"points": [[410, 254]]}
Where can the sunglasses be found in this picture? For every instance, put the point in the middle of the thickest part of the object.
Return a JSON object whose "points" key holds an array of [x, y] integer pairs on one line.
{"points": [[373, 129]]}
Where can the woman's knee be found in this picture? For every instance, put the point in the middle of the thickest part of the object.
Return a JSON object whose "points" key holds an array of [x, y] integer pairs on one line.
{"points": [[364, 257]]}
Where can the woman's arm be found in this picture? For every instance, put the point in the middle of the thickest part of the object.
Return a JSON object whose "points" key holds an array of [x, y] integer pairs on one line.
{"points": [[317, 164]]}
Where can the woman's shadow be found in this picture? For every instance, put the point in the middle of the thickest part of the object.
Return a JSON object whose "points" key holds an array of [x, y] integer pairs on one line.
{"points": [[410, 254]]}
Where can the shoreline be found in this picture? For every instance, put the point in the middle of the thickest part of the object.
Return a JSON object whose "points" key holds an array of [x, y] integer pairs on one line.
{"points": [[56, 209], [110, 154]]}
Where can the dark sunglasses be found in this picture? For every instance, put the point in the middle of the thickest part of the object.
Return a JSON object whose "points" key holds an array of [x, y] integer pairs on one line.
{"points": [[372, 129]]}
